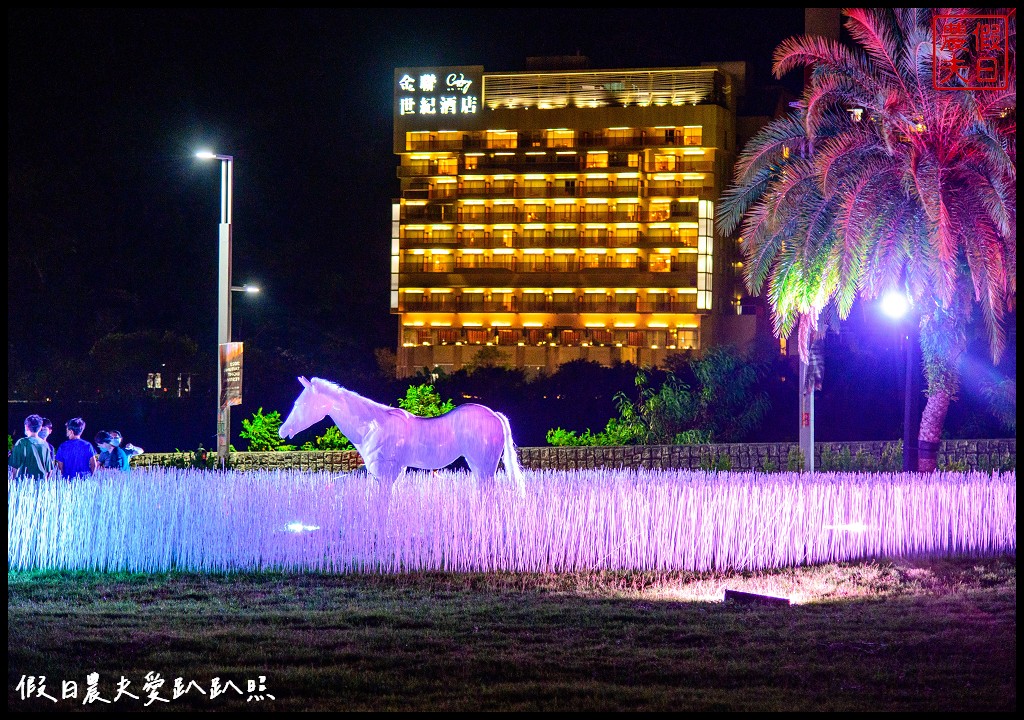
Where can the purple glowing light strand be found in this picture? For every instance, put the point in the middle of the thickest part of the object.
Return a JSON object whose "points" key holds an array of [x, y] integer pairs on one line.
{"points": [[646, 520]]}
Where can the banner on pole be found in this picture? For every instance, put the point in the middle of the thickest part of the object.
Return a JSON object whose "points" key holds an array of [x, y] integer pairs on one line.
{"points": [[230, 374]]}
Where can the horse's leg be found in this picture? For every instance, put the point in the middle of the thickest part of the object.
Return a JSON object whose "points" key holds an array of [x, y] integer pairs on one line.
{"points": [[483, 469]]}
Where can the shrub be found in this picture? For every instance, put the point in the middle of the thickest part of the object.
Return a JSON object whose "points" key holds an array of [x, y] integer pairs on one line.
{"points": [[332, 439], [423, 400], [865, 462], [262, 432], [832, 461], [563, 438], [692, 437], [715, 462], [1004, 463], [892, 457], [795, 460]]}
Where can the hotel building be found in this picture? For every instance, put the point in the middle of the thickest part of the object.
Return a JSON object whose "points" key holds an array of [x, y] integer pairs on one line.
{"points": [[562, 215]]}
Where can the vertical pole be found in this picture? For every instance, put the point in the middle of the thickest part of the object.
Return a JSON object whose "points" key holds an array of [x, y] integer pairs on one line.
{"points": [[806, 416], [909, 392], [224, 308]]}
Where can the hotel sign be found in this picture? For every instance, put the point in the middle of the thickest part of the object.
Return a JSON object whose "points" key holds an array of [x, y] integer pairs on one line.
{"points": [[425, 98]]}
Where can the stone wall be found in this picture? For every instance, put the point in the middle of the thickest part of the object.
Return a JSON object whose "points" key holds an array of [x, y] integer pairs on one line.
{"points": [[331, 461], [881, 455], [974, 454]]}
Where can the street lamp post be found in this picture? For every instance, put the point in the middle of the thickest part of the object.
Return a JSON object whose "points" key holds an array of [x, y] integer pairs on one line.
{"points": [[223, 297], [896, 305]]}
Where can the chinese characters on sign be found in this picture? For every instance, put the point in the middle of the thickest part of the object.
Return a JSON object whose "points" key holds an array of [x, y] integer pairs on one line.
{"points": [[970, 52], [231, 374], [437, 93], [152, 690]]}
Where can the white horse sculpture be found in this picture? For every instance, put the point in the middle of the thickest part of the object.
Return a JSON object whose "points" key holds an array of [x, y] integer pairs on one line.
{"points": [[391, 439]]}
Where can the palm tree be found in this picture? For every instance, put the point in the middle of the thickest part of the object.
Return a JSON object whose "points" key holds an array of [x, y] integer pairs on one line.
{"points": [[878, 181]]}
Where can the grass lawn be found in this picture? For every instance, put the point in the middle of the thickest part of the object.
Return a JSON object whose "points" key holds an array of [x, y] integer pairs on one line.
{"points": [[928, 634]]}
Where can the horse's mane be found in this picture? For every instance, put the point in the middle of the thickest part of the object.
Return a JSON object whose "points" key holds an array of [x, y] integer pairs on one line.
{"points": [[335, 388]]}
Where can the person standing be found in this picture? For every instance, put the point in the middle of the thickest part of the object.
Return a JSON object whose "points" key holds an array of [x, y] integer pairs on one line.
{"points": [[130, 450], [111, 456], [76, 457], [31, 456], [44, 434]]}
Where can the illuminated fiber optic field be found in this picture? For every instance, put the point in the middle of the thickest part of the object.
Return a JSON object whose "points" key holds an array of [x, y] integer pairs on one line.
{"points": [[163, 519]]}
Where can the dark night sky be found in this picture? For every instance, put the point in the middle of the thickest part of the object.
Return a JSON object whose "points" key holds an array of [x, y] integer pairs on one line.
{"points": [[112, 224]]}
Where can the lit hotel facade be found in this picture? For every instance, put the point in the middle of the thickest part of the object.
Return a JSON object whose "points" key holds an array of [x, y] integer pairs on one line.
{"points": [[562, 215]]}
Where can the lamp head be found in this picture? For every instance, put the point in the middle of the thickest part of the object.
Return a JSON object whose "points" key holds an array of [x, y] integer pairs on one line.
{"points": [[207, 155], [895, 304]]}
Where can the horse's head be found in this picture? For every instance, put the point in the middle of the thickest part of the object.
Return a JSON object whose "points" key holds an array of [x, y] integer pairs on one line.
{"points": [[310, 408]]}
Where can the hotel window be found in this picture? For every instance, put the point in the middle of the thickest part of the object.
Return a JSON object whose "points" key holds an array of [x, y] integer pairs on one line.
{"points": [[503, 302], [534, 301], [417, 140], [665, 163], [502, 140], [508, 337], [471, 302], [473, 238], [447, 335], [688, 237], [619, 136], [595, 237], [504, 237], [536, 336], [569, 337], [687, 339], [600, 337], [439, 263], [535, 237], [564, 213], [597, 160], [472, 162], [533, 263], [470, 261], [660, 262], [625, 302], [478, 337], [442, 237], [472, 213], [635, 338], [448, 166], [660, 211], [561, 138], [535, 188], [692, 135]]}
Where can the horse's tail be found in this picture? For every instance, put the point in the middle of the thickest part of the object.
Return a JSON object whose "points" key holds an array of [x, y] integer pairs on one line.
{"points": [[510, 457]]}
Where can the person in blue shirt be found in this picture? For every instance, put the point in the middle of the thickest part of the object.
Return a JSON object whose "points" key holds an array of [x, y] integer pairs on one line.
{"points": [[117, 439], [76, 457], [112, 457]]}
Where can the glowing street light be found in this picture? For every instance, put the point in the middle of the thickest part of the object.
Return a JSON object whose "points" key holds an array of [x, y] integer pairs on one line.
{"points": [[223, 296], [895, 304]]}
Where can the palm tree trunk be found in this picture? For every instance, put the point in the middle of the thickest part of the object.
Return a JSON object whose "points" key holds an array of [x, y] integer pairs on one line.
{"points": [[928, 438]]}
